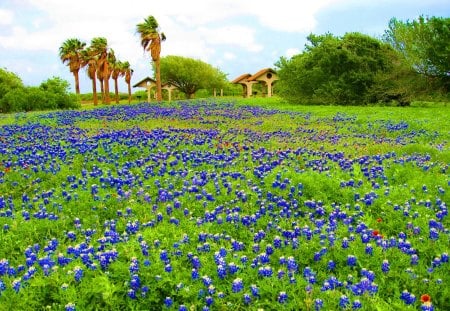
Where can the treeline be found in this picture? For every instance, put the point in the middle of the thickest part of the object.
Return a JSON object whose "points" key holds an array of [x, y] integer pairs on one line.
{"points": [[411, 62], [50, 94]]}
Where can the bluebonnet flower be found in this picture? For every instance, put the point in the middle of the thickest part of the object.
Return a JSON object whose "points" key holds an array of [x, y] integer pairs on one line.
{"points": [[135, 282], [2, 286], [194, 274], [237, 285], [344, 243], [356, 304], [385, 266], [209, 300], [70, 307], [78, 273], [331, 265], [168, 302], [408, 297], [206, 280], [255, 290], [221, 271], [282, 297], [182, 308], [351, 260], [131, 293], [434, 234], [247, 298], [318, 304], [344, 301]]}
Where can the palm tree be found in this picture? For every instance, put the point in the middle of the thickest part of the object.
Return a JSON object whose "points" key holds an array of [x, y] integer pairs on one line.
{"points": [[89, 60], [70, 52], [116, 72], [151, 41], [100, 46], [128, 72]]}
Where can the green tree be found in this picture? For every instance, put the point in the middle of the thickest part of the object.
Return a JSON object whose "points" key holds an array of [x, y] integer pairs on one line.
{"points": [[190, 75], [333, 69], [89, 59], [58, 94], [425, 45], [151, 41], [70, 53], [127, 73], [8, 81], [100, 50]]}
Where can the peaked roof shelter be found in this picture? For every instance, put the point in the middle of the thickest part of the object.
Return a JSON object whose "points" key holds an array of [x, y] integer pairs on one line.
{"points": [[266, 75], [147, 83]]}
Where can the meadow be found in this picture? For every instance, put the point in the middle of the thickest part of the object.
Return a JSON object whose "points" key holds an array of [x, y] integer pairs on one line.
{"points": [[225, 205]]}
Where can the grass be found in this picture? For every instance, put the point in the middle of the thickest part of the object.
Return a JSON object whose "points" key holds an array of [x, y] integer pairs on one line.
{"points": [[250, 183]]}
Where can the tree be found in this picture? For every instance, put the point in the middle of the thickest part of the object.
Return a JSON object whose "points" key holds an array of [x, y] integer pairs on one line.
{"points": [[151, 41], [70, 53], [58, 95], [333, 69], [116, 72], [99, 46], [8, 81], [128, 72], [425, 45], [190, 75], [89, 59]]}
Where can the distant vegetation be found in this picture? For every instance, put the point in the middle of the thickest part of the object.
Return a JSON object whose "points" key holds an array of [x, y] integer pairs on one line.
{"points": [[51, 94], [412, 62]]}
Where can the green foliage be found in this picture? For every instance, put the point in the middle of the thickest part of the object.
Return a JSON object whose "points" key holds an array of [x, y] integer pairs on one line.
{"points": [[190, 75], [339, 70], [424, 43], [8, 81], [51, 94]]}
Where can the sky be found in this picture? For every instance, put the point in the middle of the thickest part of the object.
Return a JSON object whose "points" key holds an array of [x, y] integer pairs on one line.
{"points": [[236, 36]]}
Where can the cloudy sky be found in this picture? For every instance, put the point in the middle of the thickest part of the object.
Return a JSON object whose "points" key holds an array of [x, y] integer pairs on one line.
{"points": [[237, 36]]}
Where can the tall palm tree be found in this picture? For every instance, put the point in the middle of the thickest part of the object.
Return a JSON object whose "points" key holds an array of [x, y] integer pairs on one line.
{"points": [[151, 41], [89, 60], [116, 72], [70, 53], [100, 46], [128, 72]]}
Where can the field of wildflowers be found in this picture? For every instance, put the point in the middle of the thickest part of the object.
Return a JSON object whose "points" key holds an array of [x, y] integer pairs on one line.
{"points": [[224, 206]]}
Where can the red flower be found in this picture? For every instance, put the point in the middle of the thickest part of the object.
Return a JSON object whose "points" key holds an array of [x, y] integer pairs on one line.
{"points": [[379, 219], [375, 233], [425, 298]]}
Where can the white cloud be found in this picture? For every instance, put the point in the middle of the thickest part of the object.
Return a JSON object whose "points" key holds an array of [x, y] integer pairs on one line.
{"points": [[229, 56], [292, 51], [6, 17], [235, 35]]}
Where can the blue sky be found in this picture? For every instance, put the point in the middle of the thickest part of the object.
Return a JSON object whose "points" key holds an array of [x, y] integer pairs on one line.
{"points": [[237, 36]]}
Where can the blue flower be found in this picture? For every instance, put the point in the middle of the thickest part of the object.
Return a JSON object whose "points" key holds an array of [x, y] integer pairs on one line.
{"points": [[237, 285], [168, 302], [344, 301], [70, 307], [247, 299], [318, 304], [351, 260], [356, 304], [282, 297], [385, 266]]}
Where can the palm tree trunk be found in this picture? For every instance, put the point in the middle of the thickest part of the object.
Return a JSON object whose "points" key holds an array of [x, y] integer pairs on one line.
{"points": [[102, 90], [107, 100], [116, 90], [94, 91], [77, 82], [129, 93], [158, 80]]}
